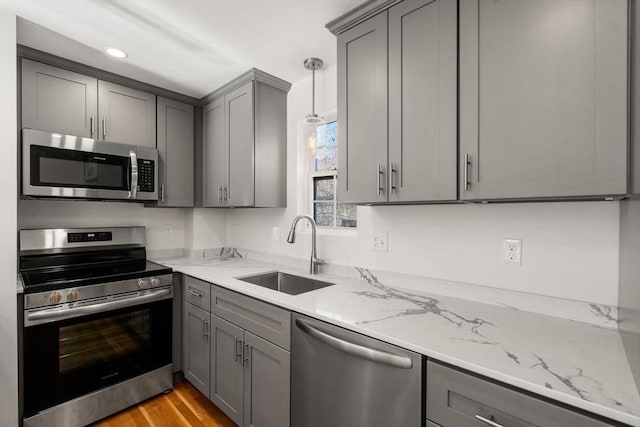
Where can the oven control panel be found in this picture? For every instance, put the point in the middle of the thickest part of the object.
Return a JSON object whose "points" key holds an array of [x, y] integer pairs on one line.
{"points": [[99, 236]]}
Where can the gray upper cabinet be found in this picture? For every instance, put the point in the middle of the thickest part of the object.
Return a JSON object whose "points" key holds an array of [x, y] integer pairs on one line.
{"points": [[266, 384], [362, 112], [423, 101], [398, 124], [214, 154], [127, 116], [175, 145], [58, 100], [245, 142], [239, 134], [196, 349], [227, 368], [635, 104], [543, 98]]}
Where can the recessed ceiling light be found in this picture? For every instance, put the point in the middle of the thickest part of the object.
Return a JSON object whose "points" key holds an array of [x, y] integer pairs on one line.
{"points": [[115, 52]]}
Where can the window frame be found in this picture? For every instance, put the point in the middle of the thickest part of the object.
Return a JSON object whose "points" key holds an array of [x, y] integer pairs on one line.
{"points": [[312, 200]]}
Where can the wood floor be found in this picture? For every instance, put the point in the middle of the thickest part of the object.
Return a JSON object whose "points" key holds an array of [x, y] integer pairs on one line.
{"points": [[184, 406]]}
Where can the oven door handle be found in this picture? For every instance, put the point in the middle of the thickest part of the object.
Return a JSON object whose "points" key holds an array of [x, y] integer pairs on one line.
{"points": [[42, 316]]}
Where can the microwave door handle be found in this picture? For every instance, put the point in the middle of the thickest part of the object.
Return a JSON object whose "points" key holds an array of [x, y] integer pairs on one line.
{"points": [[133, 191]]}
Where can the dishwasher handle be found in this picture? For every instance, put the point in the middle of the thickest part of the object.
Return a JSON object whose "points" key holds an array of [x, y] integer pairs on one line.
{"points": [[357, 350]]}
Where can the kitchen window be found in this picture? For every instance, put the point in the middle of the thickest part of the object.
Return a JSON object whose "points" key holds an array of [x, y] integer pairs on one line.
{"points": [[323, 181]]}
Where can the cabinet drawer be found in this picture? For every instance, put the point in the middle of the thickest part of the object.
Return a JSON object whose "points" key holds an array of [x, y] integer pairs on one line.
{"points": [[197, 293], [260, 318], [457, 399]]}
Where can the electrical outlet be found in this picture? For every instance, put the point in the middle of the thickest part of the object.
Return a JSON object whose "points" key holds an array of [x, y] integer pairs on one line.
{"points": [[378, 241], [275, 233], [168, 230], [513, 251]]}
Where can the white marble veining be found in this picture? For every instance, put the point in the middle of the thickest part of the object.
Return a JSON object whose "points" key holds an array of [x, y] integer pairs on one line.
{"points": [[578, 363]]}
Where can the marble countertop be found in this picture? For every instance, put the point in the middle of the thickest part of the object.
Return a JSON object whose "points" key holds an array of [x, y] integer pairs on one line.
{"points": [[581, 364]]}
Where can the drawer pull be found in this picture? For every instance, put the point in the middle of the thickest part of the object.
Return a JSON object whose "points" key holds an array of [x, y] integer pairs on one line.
{"points": [[487, 421], [194, 293]]}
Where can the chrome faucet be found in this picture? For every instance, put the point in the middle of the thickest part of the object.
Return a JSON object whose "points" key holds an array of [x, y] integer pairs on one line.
{"points": [[315, 262]]}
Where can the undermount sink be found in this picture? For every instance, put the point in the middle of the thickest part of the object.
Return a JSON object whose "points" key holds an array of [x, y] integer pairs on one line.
{"points": [[286, 283]]}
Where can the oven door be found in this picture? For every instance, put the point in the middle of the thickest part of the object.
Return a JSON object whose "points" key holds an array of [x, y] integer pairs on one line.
{"points": [[65, 358]]}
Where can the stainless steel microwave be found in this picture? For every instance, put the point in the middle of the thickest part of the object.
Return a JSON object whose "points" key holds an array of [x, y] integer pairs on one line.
{"points": [[56, 165]]}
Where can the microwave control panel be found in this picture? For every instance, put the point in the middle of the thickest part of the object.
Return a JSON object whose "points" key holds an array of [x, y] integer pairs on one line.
{"points": [[146, 175]]}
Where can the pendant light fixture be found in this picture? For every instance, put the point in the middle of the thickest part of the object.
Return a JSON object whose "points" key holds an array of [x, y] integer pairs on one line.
{"points": [[313, 64]]}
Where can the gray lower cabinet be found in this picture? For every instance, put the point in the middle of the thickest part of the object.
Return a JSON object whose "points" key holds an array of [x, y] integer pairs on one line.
{"points": [[175, 146], [244, 143], [227, 368], [127, 116], [249, 377], [235, 350], [266, 383], [397, 105], [543, 98], [58, 100], [458, 399], [196, 349]]}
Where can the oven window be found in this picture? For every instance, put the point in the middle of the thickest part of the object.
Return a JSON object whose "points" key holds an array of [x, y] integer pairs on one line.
{"points": [[89, 343], [60, 167], [68, 358]]}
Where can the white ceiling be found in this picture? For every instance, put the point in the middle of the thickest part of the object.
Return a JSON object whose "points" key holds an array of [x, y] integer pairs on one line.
{"points": [[190, 46]]}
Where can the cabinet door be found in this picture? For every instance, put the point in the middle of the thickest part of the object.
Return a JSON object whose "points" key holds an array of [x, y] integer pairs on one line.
{"points": [[57, 100], [543, 98], [175, 146], [195, 347], [239, 133], [362, 112], [422, 101], [214, 154], [127, 116], [226, 368], [266, 384]]}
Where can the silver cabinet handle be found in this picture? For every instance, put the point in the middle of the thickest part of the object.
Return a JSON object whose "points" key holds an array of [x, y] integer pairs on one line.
{"points": [[194, 293], [205, 329], [357, 350], [245, 353], [226, 194], [162, 193], [56, 313], [487, 421], [104, 127], [393, 178], [467, 163], [220, 194], [380, 174], [133, 192], [91, 130], [238, 353]]}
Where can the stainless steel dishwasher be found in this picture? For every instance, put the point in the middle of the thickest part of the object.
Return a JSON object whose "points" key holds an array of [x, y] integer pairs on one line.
{"points": [[343, 379]]}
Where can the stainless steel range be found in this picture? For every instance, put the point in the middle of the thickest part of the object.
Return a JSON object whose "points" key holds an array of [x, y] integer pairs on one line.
{"points": [[97, 324]]}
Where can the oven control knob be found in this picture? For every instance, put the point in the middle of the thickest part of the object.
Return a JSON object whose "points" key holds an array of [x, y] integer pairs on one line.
{"points": [[73, 295], [143, 284], [154, 281], [55, 298]]}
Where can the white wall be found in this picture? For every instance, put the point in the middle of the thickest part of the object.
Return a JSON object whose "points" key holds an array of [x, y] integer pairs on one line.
{"points": [[570, 250], [69, 214], [8, 189]]}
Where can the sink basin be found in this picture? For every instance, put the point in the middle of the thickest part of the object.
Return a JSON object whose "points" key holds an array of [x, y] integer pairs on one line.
{"points": [[286, 283]]}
